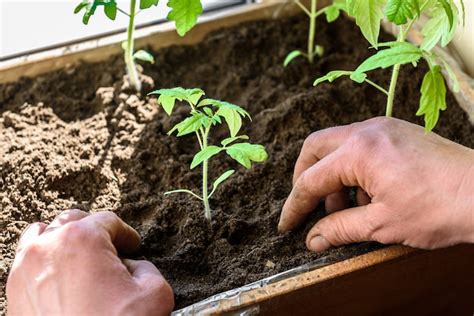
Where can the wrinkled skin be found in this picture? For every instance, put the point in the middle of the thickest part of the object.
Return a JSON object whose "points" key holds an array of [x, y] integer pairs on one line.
{"points": [[414, 188], [72, 267]]}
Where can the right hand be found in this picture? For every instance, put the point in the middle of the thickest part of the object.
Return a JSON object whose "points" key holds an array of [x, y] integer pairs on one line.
{"points": [[72, 267], [416, 189]]}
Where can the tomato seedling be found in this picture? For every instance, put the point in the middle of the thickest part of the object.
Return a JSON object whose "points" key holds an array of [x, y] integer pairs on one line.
{"points": [[444, 17], [205, 114], [183, 12], [332, 12]]}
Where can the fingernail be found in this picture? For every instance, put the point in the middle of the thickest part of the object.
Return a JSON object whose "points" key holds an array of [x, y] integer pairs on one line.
{"points": [[318, 244]]}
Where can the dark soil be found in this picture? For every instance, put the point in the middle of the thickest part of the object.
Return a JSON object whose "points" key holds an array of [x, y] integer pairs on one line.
{"points": [[65, 143]]}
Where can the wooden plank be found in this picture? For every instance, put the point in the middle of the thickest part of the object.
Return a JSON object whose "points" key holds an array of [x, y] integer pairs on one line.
{"points": [[156, 37], [393, 281]]}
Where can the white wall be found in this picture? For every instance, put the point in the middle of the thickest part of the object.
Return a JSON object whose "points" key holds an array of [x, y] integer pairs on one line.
{"points": [[31, 24]]}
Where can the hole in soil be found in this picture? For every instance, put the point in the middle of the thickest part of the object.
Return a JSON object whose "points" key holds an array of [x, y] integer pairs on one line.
{"points": [[91, 182]]}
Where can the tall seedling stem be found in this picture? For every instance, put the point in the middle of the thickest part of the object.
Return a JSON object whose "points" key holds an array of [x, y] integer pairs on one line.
{"points": [[312, 31], [129, 49], [393, 81]]}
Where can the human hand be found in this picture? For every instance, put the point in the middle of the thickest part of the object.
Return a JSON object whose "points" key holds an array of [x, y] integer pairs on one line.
{"points": [[416, 189], [71, 267]]}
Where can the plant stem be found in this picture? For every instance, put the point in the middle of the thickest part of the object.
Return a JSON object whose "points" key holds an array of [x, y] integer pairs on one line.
{"points": [[129, 60], [394, 79], [205, 195], [312, 31]]}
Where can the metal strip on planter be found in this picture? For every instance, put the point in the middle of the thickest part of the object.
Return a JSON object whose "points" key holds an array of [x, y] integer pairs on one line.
{"points": [[232, 297]]}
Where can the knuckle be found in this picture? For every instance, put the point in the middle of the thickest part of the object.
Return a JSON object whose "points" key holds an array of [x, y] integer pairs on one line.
{"points": [[32, 250], [74, 232]]}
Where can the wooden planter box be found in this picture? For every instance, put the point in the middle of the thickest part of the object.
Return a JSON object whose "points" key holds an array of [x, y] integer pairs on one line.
{"points": [[392, 280]]}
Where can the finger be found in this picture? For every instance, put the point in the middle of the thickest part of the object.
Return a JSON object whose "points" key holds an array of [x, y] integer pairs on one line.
{"points": [[65, 217], [125, 238], [30, 234], [337, 201], [320, 144], [330, 175], [149, 277], [141, 269], [362, 197], [343, 227]]}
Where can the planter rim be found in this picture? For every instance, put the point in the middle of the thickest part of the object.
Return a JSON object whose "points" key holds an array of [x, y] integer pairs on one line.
{"points": [[246, 299]]}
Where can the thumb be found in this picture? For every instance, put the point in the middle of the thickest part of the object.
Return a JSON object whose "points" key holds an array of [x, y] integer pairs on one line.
{"points": [[340, 228], [141, 269]]}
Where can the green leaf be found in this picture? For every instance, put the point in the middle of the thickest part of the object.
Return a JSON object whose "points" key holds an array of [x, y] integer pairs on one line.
{"points": [[449, 12], [452, 77], [230, 112], [438, 28], [110, 9], [221, 179], [205, 154], [399, 11], [189, 125], [319, 50], [90, 10], [331, 76], [145, 4], [191, 96], [245, 153], [208, 111], [289, 58], [184, 191], [433, 97], [229, 140], [332, 13], [401, 54], [358, 77], [185, 13], [144, 55], [81, 6], [368, 15], [167, 103]]}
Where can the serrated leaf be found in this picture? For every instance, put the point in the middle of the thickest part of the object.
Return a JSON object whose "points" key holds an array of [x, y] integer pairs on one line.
{"points": [[144, 55], [221, 179], [331, 76], [185, 13], [205, 154], [433, 97], [208, 111], [332, 13], [189, 125], [230, 140], [110, 9], [368, 15], [438, 29], [292, 55], [145, 4], [232, 118], [190, 95], [399, 11], [245, 153], [401, 54]]}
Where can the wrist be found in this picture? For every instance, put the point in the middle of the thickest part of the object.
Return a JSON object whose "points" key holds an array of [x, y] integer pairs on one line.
{"points": [[465, 202]]}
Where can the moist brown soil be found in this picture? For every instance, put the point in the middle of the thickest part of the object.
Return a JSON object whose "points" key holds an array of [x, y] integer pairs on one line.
{"points": [[65, 143]]}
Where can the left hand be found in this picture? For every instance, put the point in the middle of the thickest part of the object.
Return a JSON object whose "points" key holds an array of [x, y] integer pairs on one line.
{"points": [[72, 267]]}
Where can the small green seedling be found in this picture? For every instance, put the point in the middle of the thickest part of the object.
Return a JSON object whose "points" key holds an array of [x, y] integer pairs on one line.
{"points": [[443, 19], [332, 13], [203, 115], [184, 13]]}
